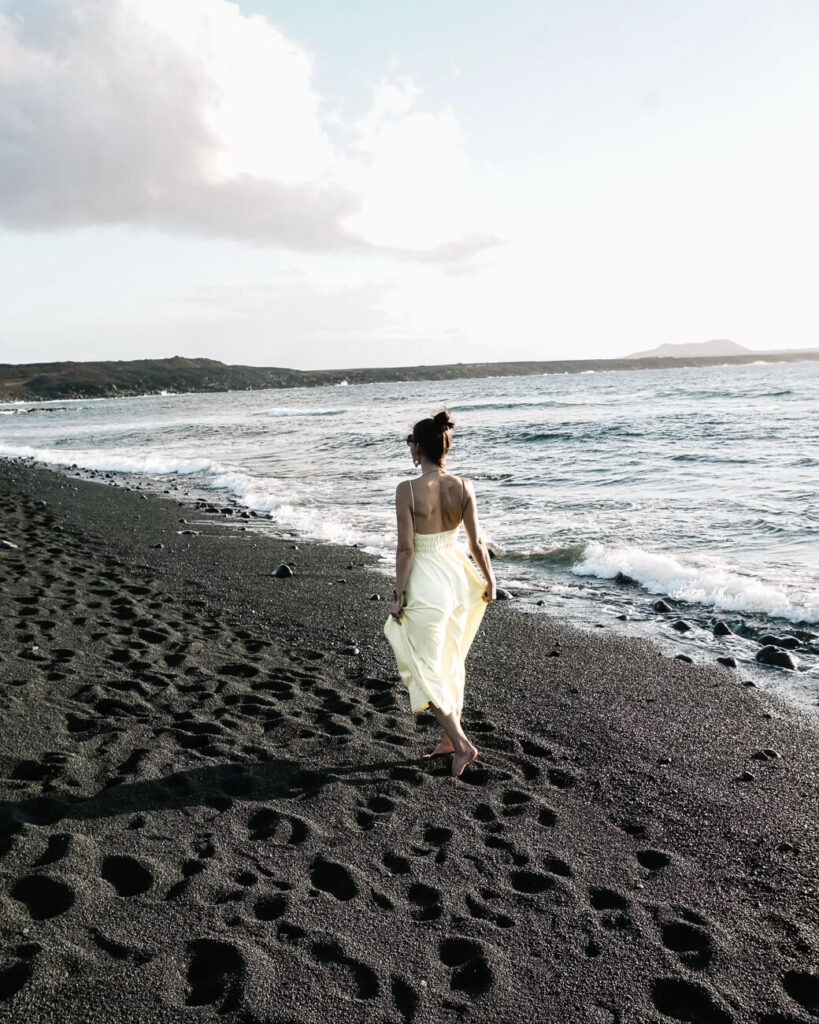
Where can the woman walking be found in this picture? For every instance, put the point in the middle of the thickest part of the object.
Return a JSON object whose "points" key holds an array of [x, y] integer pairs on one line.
{"points": [[440, 597]]}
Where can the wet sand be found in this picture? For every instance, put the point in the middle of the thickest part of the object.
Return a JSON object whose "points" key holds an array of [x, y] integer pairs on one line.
{"points": [[214, 805]]}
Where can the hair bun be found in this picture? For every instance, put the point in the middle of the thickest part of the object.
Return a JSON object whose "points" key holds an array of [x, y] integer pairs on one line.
{"points": [[443, 421]]}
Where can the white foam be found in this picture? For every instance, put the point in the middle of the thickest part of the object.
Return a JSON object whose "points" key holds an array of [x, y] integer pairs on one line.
{"points": [[301, 412], [109, 462], [709, 585]]}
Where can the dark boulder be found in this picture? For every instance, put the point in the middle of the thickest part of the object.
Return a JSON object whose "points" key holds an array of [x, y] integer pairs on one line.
{"points": [[722, 629], [682, 626], [661, 606], [282, 571], [788, 643], [771, 655], [503, 595], [625, 581], [728, 661], [685, 658]]}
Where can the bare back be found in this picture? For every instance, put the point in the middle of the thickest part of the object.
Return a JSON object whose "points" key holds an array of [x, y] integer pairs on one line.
{"points": [[438, 502]]}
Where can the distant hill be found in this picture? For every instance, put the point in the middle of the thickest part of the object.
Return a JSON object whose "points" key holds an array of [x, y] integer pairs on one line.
{"points": [[48, 381], [720, 347]]}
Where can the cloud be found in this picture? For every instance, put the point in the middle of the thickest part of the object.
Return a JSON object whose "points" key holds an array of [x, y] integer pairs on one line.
{"points": [[188, 116]]}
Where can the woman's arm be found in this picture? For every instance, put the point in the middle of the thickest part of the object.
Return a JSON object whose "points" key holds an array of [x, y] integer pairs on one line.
{"points": [[476, 543], [404, 548]]}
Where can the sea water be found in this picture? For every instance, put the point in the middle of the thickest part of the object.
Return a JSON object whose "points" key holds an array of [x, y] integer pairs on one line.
{"points": [[598, 492]]}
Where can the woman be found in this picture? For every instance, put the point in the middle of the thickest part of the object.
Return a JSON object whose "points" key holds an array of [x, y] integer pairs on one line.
{"points": [[439, 596]]}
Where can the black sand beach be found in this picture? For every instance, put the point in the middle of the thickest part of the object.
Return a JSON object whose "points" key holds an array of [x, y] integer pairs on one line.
{"points": [[213, 802]]}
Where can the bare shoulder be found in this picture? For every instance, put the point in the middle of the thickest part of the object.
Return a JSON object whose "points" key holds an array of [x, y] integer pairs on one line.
{"points": [[402, 491]]}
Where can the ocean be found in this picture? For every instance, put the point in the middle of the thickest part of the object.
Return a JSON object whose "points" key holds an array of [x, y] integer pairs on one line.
{"points": [[598, 492]]}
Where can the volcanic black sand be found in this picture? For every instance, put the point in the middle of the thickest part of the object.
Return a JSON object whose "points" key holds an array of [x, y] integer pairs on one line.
{"points": [[214, 807]]}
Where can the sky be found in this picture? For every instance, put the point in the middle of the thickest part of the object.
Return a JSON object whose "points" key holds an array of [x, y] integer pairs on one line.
{"points": [[317, 184]]}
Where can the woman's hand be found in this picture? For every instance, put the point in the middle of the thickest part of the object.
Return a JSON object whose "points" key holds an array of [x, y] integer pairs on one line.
{"points": [[396, 610], [491, 592]]}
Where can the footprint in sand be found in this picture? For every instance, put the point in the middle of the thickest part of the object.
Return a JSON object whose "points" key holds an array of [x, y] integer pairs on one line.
{"points": [[395, 863], [531, 882], [127, 876], [562, 779], [437, 836], [471, 972], [688, 1001], [335, 879], [514, 802], [214, 975], [653, 860], [803, 988], [405, 997], [612, 907], [55, 850], [346, 975], [426, 903], [270, 908], [43, 897], [14, 977], [691, 943]]}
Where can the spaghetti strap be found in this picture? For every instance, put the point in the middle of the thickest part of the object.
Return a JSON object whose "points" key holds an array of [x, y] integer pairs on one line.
{"points": [[463, 495], [412, 501]]}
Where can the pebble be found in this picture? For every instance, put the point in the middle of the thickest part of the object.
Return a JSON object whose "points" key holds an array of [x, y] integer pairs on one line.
{"points": [[341, 581], [685, 658], [661, 606], [282, 571], [723, 629], [375, 597], [786, 848], [188, 533], [350, 650], [728, 661], [768, 754], [503, 595], [746, 777], [8, 544], [771, 655], [157, 545]]}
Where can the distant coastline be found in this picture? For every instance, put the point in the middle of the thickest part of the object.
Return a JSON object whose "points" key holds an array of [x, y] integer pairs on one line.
{"points": [[178, 375]]}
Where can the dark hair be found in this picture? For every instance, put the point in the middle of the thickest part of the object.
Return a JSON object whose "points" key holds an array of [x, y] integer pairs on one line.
{"points": [[434, 435]]}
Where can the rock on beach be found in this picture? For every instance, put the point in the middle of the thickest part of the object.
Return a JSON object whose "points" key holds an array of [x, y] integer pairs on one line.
{"points": [[771, 655]]}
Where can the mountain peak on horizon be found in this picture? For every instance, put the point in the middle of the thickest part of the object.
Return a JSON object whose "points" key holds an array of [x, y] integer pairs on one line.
{"points": [[718, 347]]}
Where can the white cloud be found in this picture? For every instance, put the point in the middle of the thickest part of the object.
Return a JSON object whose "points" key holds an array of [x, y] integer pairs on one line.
{"points": [[189, 116]]}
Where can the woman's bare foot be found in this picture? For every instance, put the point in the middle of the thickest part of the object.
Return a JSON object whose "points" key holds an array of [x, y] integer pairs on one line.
{"points": [[461, 758], [444, 747]]}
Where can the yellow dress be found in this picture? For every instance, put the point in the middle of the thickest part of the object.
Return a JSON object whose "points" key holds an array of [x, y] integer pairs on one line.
{"points": [[444, 607]]}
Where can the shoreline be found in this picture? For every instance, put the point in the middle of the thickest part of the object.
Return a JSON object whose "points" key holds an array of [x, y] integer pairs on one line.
{"points": [[633, 618], [178, 376], [604, 861]]}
